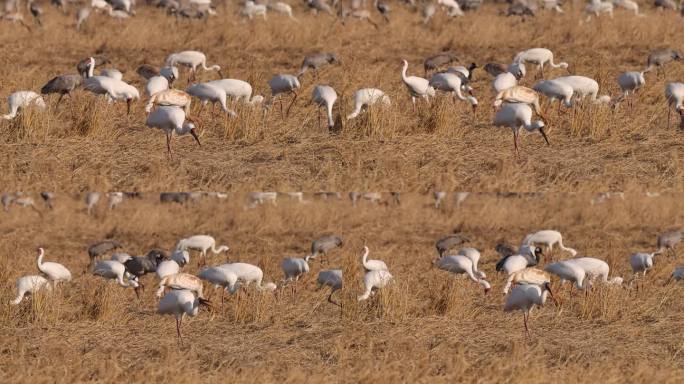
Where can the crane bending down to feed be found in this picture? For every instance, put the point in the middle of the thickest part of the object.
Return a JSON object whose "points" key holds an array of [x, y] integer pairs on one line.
{"points": [[237, 89], [192, 60], [202, 243], [668, 241], [458, 264], [548, 238], [525, 296], [366, 97], [209, 93], [569, 272], [373, 281], [247, 274], [512, 262], [114, 89], [55, 272], [539, 56], [171, 120], [333, 279], [280, 84], [583, 86], [474, 256], [294, 268], [450, 82], [526, 276], [180, 303], [520, 94], [21, 100], [516, 116], [641, 262], [324, 96], [29, 285], [556, 90], [111, 269], [417, 86]]}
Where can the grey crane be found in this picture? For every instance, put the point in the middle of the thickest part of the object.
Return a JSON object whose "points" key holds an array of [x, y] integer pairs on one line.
{"points": [[666, 4], [63, 85], [433, 63], [319, 6], [102, 247], [36, 11], [333, 279], [325, 244], [48, 197], [317, 60], [384, 9], [450, 241], [668, 240], [139, 266], [519, 9], [495, 69], [660, 57], [173, 197]]}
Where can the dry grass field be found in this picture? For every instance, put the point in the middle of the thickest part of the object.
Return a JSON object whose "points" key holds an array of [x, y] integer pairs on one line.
{"points": [[427, 326], [86, 144]]}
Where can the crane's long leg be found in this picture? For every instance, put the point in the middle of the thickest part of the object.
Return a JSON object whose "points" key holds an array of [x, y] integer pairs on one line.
{"points": [[179, 321], [669, 111], [319, 117], [526, 315], [128, 106], [168, 144], [515, 141], [291, 103], [280, 99], [333, 301], [541, 130], [59, 100]]}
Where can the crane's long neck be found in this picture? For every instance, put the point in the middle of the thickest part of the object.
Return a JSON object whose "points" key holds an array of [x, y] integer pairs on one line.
{"points": [[39, 259], [459, 94], [91, 67], [365, 256], [403, 71]]}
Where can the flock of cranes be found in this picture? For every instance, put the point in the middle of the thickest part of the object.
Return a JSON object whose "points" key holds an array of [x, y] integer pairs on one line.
{"points": [[169, 109], [182, 294]]}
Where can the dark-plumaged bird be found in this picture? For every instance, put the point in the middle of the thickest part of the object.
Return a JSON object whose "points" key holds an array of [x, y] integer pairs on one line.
{"points": [[98, 249], [448, 242], [495, 69], [139, 266], [318, 60], [36, 12], [63, 85], [173, 197], [384, 9], [82, 65], [660, 57], [668, 240], [48, 197], [324, 244], [519, 9], [433, 63], [319, 6]]}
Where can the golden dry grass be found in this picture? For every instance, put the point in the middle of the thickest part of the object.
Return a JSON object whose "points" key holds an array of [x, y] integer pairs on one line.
{"points": [[426, 327], [89, 144]]}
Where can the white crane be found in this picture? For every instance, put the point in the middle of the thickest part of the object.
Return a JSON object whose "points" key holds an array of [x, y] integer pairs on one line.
{"points": [[209, 93], [674, 93], [220, 277], [251, 9], [167, 268], [597, 7], [373, 281], [366, 97], [631, 82], [20, 100], [504, 81], [156, 84], [459, 264], [171, 119], [569, 272], [55, 272], [324, 96], [202, 243], [91, 200], [181, 281], [333, 279], [114, 89], [283, 8], [556, 90], [539, 56], [629, 5], [237, 89], [29, 285], [294, 268], [583, 86], [516, 116], [282, 84], [474, 256], [524, 297], [114, 199], [180, 303], [192, 60], [512, 262], [417, 86], [595, 268], [111, 269], [450, 82], [247, 274], [372, 265], [548, 238]]}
